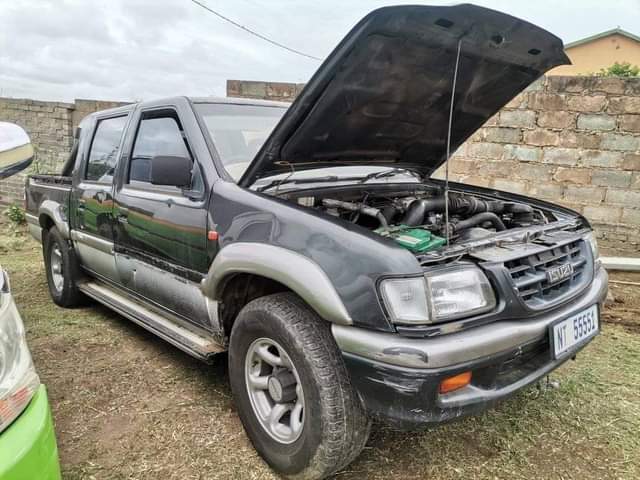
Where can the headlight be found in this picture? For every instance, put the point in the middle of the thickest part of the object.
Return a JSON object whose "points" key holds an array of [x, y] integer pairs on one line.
{"points": [[443, 296], [18, 378], [406, 300], [590, 238], [460, 293]]}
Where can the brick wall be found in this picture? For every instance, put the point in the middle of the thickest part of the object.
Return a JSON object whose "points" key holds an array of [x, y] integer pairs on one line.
{"points": [[571, 140], [284, 92], [50, 126]]}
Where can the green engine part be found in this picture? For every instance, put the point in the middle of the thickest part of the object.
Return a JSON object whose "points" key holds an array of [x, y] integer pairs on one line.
{"points": [[415, 239]]}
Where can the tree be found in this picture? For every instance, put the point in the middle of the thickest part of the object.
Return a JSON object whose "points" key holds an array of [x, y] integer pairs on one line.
{"points": [[624, 69]]}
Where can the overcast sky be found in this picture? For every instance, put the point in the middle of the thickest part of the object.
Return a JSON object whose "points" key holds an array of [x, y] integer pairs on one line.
{"points": [[137, 49]]}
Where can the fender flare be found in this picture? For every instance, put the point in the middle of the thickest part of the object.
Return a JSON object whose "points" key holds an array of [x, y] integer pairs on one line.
{"points": [[299, 273], [54, 211]]}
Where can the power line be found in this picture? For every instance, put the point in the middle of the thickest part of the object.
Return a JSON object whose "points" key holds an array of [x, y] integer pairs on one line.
{"points": [[256, 34]]}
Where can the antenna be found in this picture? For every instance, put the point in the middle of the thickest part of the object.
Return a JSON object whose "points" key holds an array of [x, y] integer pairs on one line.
{"points": [[446, 165]]}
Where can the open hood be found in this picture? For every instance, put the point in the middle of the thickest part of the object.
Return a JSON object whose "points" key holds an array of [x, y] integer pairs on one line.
{"points": [[382, 97]]}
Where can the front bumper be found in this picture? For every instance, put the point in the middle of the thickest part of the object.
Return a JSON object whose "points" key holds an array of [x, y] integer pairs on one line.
{"points": [[398, 377], [28, 446]]}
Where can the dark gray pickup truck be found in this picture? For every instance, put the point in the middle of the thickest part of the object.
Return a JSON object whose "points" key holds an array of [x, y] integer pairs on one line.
{"points": [[312, 243]]}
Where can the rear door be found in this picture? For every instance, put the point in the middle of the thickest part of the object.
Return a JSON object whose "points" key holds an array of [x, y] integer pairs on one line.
{"points": [[161, 231], [92, 199]]}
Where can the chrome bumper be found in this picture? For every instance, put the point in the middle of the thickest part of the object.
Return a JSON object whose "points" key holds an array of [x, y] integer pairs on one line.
{"points": [[463, 347]]}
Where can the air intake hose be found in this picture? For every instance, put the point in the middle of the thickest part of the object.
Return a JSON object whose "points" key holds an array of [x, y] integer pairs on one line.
{"points": [[357, 207], [461, 205], [479, 219]]}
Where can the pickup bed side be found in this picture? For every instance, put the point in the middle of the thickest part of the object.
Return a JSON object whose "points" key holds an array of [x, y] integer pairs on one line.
{"points": [[47, 203]]}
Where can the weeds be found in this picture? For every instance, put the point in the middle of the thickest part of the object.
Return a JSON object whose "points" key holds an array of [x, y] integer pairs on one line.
{"points": [[16, 215]]}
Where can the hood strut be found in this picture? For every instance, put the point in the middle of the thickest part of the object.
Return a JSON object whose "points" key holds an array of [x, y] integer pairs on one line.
{"points": [[448, 156]]}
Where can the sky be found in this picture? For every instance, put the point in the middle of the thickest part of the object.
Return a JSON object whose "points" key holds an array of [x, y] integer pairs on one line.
{"points": [[144, 49]]}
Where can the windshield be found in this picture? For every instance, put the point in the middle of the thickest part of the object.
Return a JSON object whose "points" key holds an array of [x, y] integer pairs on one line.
{"points": [[238, 131]]}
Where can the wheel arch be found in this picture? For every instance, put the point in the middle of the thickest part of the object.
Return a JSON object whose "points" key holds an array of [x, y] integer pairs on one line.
{"points": [[50, 213], [280, 269]]}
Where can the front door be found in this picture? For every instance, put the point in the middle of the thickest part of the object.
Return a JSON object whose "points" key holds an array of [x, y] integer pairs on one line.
{"points": [[92, 201], [161, 230]]}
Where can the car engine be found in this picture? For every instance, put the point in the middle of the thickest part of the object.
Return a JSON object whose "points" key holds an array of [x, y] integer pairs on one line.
{"points": [[417, 221]]}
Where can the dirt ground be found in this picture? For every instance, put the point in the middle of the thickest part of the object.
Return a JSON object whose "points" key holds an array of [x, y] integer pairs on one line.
{"points": [[128, 406]]}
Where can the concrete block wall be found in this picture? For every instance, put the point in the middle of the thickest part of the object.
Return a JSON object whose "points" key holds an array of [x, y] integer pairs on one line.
{"points": [[571, 140], [279, 91], [50, 126]]}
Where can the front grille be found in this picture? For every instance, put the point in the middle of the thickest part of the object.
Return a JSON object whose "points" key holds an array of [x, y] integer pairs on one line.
{"points": [[529, 274]]}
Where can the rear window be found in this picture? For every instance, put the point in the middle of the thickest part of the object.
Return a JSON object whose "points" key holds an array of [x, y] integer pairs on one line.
{"points": [[105, 148], [238, 131]]}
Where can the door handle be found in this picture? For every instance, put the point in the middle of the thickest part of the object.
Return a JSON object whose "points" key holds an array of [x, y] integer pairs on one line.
{"points": [[123, 215]]}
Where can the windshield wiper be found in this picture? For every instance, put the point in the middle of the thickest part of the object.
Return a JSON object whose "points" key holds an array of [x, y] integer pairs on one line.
{"points": [[277, 183], [334, 178], [388, 173]]}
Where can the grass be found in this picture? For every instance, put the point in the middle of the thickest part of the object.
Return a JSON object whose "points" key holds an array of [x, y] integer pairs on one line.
{"points": [[127, 405]]}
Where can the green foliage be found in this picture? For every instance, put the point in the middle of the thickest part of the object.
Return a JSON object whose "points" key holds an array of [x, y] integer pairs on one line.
{"points": [[16, 215], [624, 69]]}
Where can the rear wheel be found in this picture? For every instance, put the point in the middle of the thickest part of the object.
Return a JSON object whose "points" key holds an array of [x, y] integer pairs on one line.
{"points": [[292, 389], [62, 269]]}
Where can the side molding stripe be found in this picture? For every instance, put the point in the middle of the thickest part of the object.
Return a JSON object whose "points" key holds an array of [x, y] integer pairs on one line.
{"points": [[92, 241]]}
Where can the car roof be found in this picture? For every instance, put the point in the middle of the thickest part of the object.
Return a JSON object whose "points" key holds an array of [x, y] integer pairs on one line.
{"points": [[170, 100], [240, 101]]}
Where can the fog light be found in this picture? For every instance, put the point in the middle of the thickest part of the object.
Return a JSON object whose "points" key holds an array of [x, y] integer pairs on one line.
{"points": [[455, 383]]}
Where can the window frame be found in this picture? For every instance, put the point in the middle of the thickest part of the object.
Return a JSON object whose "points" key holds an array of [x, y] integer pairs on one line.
{"points": [[85, 170], [162, 112]]}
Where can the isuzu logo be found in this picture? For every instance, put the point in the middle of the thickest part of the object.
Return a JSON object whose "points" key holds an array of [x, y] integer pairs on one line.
{"points": [[559, 273]]}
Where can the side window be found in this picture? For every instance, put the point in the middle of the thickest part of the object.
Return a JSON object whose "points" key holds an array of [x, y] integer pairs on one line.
{"points": [[158, 135], [104, 149]]}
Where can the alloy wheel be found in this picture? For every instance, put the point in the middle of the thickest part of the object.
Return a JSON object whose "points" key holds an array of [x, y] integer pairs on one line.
{"points": [[274, 390]]}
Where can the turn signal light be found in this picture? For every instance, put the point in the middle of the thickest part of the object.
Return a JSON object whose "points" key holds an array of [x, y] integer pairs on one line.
{"points": [[455, 383]]}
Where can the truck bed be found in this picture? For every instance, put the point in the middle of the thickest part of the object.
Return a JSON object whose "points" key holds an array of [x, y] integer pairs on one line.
{"points": [[51, 178], [53, 189]]}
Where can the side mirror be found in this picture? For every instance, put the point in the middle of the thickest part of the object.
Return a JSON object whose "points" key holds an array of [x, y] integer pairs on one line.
{"points": [[16, 151], [171, 170]]}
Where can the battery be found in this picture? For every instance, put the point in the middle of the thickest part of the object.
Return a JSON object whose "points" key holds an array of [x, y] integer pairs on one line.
{"points": [[415, 239]]}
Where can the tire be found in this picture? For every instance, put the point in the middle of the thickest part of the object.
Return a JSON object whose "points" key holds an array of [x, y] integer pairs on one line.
{"points": [[334, 426], [62, 270]]}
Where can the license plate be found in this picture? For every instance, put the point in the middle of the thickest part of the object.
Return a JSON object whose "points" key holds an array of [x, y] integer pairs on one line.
{"points": [[573, 331]]}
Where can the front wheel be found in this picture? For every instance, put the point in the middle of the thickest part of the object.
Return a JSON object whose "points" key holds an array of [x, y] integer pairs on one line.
{"points": [[292, 389]]}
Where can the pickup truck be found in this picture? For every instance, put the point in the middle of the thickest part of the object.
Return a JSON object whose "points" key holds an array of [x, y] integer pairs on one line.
{"points": [[314, 245]]}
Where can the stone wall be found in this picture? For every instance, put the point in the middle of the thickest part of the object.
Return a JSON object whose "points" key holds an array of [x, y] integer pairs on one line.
{"points": [[570, 140], [284, 92], [50, 126]]}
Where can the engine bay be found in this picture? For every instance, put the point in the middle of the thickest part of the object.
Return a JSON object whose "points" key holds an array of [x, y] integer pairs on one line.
{"points": [[417, 221]]}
